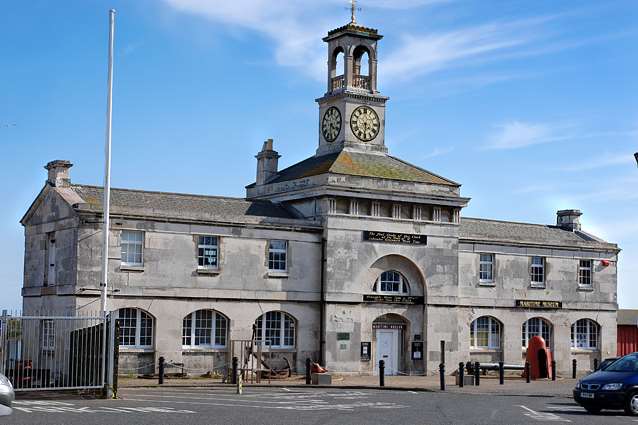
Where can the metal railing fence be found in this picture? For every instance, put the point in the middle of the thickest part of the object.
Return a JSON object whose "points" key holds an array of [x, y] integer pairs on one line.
{"points": [[52, 352]]}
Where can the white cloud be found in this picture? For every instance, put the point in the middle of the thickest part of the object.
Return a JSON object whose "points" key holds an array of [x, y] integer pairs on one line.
{"points": [[438, 152], [602, 161], [519, 134]]}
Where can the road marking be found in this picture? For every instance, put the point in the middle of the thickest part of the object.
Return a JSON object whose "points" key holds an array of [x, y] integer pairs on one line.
{"points": [[412, 392], [70, 408], [545, 417], [286, 389], [574, 408]]}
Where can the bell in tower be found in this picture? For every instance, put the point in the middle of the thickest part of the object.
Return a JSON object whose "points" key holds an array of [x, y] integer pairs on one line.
{"points": [[352, 112]]}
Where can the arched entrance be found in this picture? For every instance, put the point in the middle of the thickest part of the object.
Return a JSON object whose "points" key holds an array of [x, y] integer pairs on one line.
{"points": [[389, 333]]}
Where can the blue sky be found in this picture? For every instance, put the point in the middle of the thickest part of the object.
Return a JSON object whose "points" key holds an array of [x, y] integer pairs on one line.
{"points": [[531, 105]]}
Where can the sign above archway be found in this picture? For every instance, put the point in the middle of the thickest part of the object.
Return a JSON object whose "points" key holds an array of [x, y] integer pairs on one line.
{"points": [[389, 237]]}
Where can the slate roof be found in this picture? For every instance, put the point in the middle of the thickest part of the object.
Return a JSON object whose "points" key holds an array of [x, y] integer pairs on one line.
{"points": [[360, 164], [526, 233], [182, 206]]}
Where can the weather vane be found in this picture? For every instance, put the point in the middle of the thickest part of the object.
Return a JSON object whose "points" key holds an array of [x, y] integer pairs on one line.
{"points": [[353, 10]]}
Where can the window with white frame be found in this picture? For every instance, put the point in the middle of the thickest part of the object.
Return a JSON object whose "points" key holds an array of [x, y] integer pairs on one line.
{"points": [[277, 253], [391, 282], [536, 326], [207, 252], [537, 272], [132, 246], [136, 328], [354, 207], [332, 206], [375, 209], [585, 334], [396, 210], [486, 268], [436, 214], [585, 268], [205, 329], [417, 213], [456, 216], [485, 333], [48, 334], [276, 329]]}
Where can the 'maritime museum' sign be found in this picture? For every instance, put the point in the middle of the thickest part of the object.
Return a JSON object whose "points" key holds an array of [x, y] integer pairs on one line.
{"points": [[539, 304]]}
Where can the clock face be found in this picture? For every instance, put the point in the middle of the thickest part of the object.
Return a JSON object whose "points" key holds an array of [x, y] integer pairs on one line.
{"points": [[364, 123], [331, 124]]}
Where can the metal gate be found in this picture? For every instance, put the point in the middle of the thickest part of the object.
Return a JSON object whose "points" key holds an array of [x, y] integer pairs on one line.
{"points": [[54, 352]]}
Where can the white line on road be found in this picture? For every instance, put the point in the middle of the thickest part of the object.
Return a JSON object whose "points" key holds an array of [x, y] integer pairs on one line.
{"points": [[545, 417]]}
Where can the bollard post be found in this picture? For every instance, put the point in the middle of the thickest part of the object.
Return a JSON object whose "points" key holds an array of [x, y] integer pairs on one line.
{"points": [[461, 374], [381, 373], [553, 370], [161, 370], [307, 371], [595, 365], [233, 377], [574, 364], [442, 375], [477, 374], [528, 378], [501, 373]]}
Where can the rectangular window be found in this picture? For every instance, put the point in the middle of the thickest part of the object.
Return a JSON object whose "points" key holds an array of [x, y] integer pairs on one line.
{"points": [[456, 216], [436, 214], [486, 268], [375, 209], [537, 272], [332, 206], [128, 326], [396, 211], [48, 335], [207, 249], [132, 245], [417, 213], [277, 253], [354, 207], [585, 273]]}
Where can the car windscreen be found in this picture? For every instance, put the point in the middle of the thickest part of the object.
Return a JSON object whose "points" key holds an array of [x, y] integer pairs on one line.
{"points": [[624, 364]]}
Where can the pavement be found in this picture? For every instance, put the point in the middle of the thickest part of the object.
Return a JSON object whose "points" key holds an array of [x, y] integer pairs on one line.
{"points": [[488, 384], [305, 405]]}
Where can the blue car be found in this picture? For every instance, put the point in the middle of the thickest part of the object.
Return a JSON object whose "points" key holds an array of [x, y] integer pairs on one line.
{"points": [[616, 387]]}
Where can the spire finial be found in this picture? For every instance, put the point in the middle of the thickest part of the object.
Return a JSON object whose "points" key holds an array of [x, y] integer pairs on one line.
{"points": [[353, 10]]}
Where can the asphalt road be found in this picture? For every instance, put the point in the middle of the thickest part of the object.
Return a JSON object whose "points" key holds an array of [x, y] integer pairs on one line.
{"points": [[259, 406]]}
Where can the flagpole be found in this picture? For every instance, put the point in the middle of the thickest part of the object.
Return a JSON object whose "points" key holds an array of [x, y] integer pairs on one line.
{"points": [[107, 201], [107, 167]]}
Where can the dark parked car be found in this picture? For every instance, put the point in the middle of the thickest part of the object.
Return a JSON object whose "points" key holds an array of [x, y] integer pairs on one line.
{"points": [[616, 387], [6, 395], [605, 363]]}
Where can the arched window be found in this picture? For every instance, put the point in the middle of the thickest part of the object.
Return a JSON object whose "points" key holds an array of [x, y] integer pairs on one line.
{"points": [[537, 326], [391, 282], [204, 329], [276, 329], [136, 328], [485, 332], [585, 334]]}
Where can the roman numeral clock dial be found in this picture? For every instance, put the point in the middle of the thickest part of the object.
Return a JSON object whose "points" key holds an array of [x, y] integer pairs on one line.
{"points": [[364, 123], [331, 124]]}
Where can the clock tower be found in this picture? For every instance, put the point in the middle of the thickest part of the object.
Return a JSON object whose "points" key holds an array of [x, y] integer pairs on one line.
{"points": [[352, 112]]}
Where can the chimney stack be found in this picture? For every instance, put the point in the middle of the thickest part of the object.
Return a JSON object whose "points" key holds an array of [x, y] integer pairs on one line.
{"points": [[568, 219], [59, 173], [267, 163]]}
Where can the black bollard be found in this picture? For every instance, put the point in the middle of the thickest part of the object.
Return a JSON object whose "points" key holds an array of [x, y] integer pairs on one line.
{"points": [[381, 373], [307, 371], [477, 374], [442, 376], [528, 373], [553, 370], [461, 374], [595, 365], [574, 364], [233, 378], [501, 373], [161, 370]]}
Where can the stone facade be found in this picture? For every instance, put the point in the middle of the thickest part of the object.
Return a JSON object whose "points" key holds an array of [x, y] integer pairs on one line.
{"points": [[377, 257]]}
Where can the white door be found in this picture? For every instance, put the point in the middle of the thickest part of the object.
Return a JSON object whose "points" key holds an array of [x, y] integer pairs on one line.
{"points": [[387, 350]]}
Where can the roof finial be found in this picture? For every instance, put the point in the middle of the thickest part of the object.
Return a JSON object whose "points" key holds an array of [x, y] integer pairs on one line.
{"points": [[353, 10]]}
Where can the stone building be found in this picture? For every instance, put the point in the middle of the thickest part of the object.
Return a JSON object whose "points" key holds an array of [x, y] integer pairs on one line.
{"points": [[347, 257]]}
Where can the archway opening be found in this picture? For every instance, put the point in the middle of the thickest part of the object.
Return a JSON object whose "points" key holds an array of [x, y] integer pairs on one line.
{"points": [[389, 337]]}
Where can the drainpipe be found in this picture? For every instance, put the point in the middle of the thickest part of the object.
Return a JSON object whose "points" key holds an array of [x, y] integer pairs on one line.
{"points": [[322, 312]]}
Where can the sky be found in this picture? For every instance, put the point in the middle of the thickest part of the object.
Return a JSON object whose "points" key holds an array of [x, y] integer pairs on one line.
{"points": [[531, 105]]}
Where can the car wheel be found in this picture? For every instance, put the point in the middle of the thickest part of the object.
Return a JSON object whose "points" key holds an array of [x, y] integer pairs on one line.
{"points": [[593, 410], [631, 408]]}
